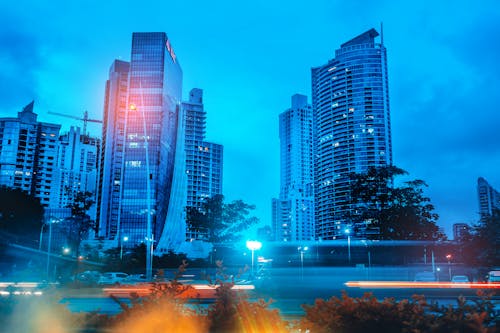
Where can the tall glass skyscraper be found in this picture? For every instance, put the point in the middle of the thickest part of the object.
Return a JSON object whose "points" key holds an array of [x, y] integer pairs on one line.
{"points": [[352, 127], [147, 152]]}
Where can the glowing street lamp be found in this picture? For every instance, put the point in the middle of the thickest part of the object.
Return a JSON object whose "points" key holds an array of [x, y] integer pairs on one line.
{"points": [[253, 245], [448, 257], [301, 251], [348, 233], [149, 236], [124, 239]]}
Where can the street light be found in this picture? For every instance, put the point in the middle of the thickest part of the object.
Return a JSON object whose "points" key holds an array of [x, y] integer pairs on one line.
{"points": [[348, 233], [124, 239], [51, 221], [149, 236], [301, 251], [448, 257], [253, 245]]}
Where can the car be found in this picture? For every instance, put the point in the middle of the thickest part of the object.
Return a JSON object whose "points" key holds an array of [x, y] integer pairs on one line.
{"points": [[88, 277], [113, 278], [425, 277], [135, 278], [460, 279], [493, 277]]}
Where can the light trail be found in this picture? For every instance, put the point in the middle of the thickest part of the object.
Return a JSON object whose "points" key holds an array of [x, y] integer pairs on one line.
{"points": [[428, 285], [197, 291]]}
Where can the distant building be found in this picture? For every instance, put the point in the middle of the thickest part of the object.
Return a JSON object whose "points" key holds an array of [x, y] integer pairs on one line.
{"points": [[293, 212], [28, 155], [350, 98], [460, 230], [203, 159], [265, 234], [489, 198], [77, 165]]}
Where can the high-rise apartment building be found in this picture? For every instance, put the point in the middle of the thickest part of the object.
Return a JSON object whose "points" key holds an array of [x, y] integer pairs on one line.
{"points": [[203, 159], [293, 212], [77, 165], [146, 162], [113, 143], [489, 198], [28, 155], [352, 127]]}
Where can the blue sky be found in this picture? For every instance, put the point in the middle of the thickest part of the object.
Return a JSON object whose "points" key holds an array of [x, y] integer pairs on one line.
{"points": [[250, 57]]}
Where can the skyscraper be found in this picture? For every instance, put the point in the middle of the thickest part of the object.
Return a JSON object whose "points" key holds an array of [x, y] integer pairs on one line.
{"points": [[113, 143], [145, 164], [489, 198], [203, 159], [28, 155], [352, 127], [293, 212]]}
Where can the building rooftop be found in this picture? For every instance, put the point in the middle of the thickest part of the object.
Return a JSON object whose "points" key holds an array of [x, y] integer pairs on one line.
{"points": [[364, 38]]}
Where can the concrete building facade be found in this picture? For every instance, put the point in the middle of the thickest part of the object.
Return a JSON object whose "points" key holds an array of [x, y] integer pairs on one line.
{"points": [[28, 155], [293, 212], [352, 127]]}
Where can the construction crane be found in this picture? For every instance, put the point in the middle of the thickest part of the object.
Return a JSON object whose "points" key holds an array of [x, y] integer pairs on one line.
{"points": [[85, 119]]}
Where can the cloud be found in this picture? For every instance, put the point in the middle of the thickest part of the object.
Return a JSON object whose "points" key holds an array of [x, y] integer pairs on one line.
{"points": [[20, 60]]}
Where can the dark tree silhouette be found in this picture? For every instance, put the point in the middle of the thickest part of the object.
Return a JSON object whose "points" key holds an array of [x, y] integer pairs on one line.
{"points": [[221, 222], [21, 214], [481, 247], [79, 224], [402, 212]]}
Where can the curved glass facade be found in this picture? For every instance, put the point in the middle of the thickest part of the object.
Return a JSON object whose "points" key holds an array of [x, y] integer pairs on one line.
{"points": [[352, 127]]}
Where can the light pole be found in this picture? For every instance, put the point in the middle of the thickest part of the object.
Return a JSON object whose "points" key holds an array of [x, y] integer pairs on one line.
{"points": [[41, 237], [149, 236], [348, 233], [253, 245], [48, 248], [448, 257], [124, 239], [301, 251]]}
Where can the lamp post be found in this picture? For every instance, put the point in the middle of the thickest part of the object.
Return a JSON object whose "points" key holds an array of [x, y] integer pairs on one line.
{"points": [[149, 236], [301, 252], [41, 237], [253, 245], [124, 239], [48, 248], [448, 257], [348, 233]]}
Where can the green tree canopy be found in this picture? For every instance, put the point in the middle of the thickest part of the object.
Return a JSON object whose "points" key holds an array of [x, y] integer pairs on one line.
{"points": [[220, 221], [20, 213], [402, 213]]}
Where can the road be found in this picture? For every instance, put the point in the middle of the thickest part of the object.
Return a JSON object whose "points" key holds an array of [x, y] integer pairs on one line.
{"points": [[291, 287]]}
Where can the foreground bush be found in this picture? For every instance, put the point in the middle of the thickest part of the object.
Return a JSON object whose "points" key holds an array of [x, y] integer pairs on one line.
{"points": [[368, 314]]}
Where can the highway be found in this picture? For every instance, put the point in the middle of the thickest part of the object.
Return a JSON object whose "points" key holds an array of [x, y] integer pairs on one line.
{"points": [[289, 288]]}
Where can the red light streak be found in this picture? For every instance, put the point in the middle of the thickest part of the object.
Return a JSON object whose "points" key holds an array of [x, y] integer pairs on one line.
{"points": [[410, 284]]}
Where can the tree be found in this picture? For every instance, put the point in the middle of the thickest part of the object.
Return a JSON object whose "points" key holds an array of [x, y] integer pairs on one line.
{"points": [[79, 224], [21, 214], [220, 221], [403, 212], [481, 247]]}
